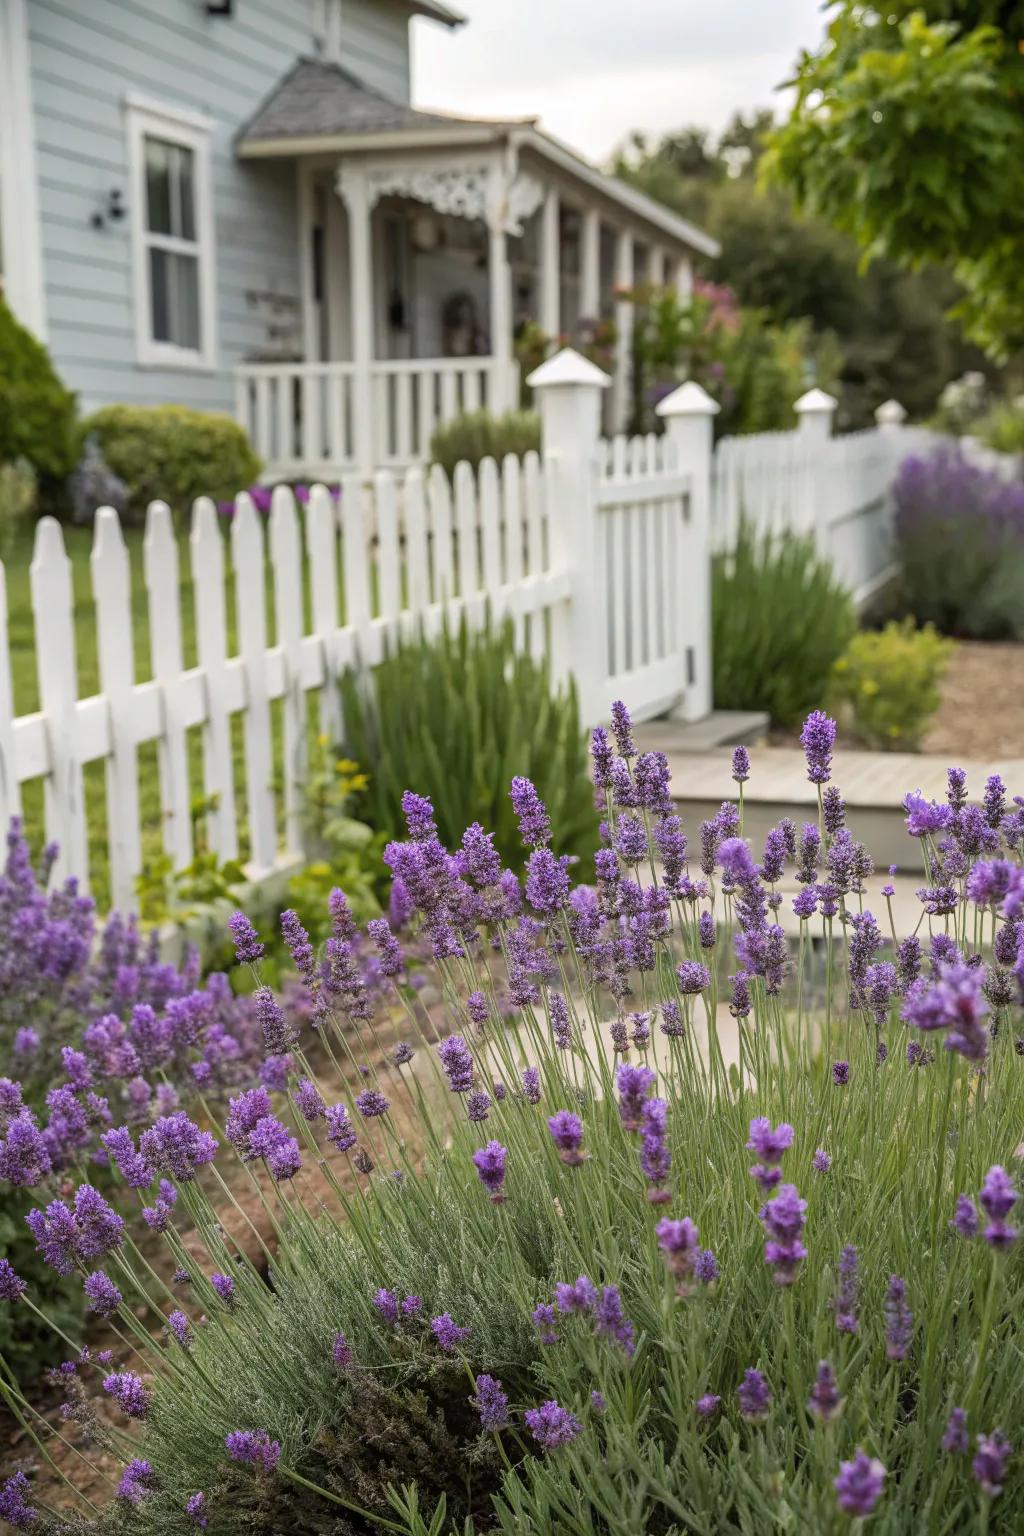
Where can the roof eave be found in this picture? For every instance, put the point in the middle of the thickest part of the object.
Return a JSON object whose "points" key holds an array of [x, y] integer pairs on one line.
{"points": [[353, 143], [446, 14]]}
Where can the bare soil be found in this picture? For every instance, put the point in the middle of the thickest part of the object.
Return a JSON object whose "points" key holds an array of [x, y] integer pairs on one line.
{"points": [[982, 710]]}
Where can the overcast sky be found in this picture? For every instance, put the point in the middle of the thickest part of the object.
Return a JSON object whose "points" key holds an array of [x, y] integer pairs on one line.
{"points": [[596, 69]]}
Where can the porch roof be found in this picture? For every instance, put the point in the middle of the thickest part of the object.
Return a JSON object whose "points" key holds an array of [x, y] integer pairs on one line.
{"points": [[320, 108]]}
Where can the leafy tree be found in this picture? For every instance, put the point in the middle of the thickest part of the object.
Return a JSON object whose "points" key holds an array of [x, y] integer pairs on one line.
{"points": [[907, 132], [891, 325]]}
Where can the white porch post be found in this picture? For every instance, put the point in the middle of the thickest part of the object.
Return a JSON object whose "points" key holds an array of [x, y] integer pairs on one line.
{"points": [[550, 273], [656, 267], [684, 279], [354, 190], [624, 329], [502, 393], [590, 265]]}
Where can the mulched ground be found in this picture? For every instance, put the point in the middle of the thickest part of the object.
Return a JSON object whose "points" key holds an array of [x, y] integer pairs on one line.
{"points": [[982, 709]]}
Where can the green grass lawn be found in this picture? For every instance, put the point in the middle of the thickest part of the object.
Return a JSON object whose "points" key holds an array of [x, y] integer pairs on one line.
{"points": [[26, 694]]}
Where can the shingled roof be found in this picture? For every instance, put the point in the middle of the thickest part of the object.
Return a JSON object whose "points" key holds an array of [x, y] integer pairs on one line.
{"points": [[317, 99]]}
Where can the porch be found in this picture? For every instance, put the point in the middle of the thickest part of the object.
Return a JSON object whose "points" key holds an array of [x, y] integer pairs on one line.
{"points": [[429, 247]]}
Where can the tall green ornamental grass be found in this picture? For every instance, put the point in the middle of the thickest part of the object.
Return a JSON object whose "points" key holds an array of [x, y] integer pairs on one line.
{"points": [[780, 622], [671, 1261], [454, 718]]}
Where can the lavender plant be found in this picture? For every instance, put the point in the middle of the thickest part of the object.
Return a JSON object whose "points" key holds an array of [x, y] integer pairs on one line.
{"points": [[671, 1261], [97, 1030]]}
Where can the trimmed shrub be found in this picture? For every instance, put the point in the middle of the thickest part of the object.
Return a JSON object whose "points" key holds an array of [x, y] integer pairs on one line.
{"points": [[960, 543], [480, 435], [886, 683], [37, 414], [18, 489], [454, 718], [174, 454], [780, 622]]}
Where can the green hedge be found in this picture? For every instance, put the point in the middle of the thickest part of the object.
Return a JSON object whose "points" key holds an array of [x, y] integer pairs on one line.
{"points": [[37, 414], [480, 435], [172, 453]]}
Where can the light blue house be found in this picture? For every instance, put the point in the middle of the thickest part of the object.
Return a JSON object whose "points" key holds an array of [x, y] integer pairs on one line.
{"points": [[233, 204]]}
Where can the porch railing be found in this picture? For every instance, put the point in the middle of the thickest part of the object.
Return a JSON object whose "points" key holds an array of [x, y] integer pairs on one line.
{"points": [[303, 421]]}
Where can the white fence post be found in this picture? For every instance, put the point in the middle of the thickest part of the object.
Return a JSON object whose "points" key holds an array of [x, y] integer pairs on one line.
{"points": [[816, 412], [815, 415], [568, 389], [689, 415], [890, 416]]}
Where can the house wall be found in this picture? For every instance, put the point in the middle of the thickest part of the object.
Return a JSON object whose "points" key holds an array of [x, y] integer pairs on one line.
{"points": [[84, 60]]}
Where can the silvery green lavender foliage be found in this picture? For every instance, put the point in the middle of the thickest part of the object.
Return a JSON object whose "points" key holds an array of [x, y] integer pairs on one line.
{"points": [[634, 1285]]}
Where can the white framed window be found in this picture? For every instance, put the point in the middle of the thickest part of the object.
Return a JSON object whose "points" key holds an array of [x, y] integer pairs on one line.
{"points": [[172, 236]]}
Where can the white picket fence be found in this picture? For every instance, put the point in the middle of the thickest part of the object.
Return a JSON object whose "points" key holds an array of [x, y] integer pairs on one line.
{"points": [[599, 551]]}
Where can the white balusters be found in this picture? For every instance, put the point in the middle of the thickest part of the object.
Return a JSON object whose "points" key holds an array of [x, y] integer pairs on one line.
{"points": [[160, 565]]}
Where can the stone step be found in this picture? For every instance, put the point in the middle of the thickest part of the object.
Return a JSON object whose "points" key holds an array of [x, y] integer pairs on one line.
{"points": [[872, 783], [722, 728]]}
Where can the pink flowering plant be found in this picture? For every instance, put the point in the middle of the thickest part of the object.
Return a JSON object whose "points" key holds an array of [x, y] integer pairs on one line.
{"points": [[637, 1215]]}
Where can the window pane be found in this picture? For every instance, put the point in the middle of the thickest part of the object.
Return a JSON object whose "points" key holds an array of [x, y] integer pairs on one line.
{"points": [[158, 187], [186, 193], [170, 189], [174, 284]]}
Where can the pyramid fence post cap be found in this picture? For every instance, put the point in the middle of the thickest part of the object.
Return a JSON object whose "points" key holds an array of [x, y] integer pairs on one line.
{"points": [[815, 400], [890, 413], [565, 368], [690, 399]]}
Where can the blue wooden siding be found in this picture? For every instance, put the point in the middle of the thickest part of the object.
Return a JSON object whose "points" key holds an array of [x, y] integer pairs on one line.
{"points": [[85, 60]]}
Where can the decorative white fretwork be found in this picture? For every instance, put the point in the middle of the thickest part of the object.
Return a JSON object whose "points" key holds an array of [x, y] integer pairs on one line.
{"points": [[462, 191]]}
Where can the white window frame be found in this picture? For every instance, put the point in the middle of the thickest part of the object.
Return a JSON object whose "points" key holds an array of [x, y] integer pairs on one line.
{"points": [[19, 194], [192, 131]]}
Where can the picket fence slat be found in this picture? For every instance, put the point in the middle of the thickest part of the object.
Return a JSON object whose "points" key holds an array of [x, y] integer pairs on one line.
{"points": [[160, 568], [206, 554], [322, 550], [57, 665], [10, 785], [440, 503], [247, 558], [286, 563]]}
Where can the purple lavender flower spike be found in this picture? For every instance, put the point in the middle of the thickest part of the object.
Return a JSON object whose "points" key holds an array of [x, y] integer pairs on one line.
{"points": [[448, 1333], [371, 1103], [339, 1128], [755, 1396], [129, 1392], [740, 765], [248, 947], [997, 1199], [137, 1481], [845, 1303], [633, 1084], [491, 1403], [224, 1287], [965, 1217], [693, 977], [899, 1320], [195, 1508], [567, 1134], [622, 729], [825, 1401], [12, 1286], [490, 1165], [552, 1425], [610, 1321], [545, 1321], [14, 1505], [534, 822], [840, 1073], [821, 1162], [817, 738], [859, 1484], [955, 1440], [580, 1296], [102, 1294], [254, 1447], [783, 1220], [457, 1063], [989, 1464], [707, 1406]]}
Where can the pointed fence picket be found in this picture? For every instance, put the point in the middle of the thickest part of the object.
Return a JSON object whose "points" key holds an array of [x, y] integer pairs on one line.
{"points": [[410, 551]]}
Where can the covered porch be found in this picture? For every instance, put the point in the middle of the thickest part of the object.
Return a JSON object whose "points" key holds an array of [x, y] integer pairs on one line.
{"points": [[427, 246]]}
